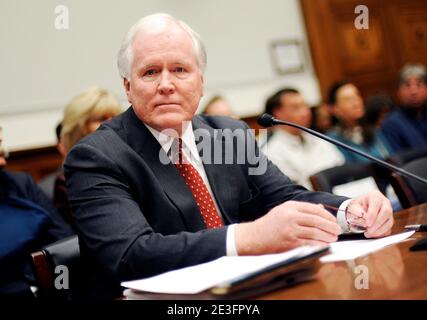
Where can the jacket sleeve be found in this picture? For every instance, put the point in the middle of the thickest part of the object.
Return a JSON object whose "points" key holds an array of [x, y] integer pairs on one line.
{"points": [[112, 226]]}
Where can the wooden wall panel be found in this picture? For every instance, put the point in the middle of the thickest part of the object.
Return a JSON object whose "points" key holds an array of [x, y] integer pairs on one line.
{"points": [[37, 162], [412, 24], [370, 58]]}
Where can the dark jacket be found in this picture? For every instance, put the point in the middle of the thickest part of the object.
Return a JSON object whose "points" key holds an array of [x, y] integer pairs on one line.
{"points": [[405, 130], [43, 222]]}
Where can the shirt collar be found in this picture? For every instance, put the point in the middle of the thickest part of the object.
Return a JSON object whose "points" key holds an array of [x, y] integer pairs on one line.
{"points": [[188, 139]]}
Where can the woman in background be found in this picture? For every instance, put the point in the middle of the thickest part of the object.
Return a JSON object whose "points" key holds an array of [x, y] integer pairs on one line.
{"points": [[82, 116], [348, 108]]}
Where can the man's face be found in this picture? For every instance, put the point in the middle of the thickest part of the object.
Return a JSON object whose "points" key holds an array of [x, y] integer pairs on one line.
{"points": [[413, 93], [166, 83], [349, 104], [294, 109]]}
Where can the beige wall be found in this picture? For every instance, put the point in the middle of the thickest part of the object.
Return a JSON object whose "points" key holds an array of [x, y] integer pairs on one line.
{"points": [[42, 68]]}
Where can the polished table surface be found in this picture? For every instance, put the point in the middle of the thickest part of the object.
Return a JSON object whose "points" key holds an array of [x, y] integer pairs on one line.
{"points": [[393, 272]]}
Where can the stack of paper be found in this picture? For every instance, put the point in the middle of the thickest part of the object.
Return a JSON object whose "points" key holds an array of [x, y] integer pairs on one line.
{"points": [[192, 280]]}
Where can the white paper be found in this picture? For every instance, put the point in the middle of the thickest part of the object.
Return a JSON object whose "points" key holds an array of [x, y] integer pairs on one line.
{"points": [[201, 277], [355, 188], [348, 250]]}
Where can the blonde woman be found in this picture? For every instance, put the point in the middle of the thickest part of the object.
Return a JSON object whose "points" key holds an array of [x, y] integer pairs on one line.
{"points": [[82, 116], [85, 113]]}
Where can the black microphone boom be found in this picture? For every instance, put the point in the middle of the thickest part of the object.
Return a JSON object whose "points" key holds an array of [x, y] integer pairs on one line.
{"points": [[266, 120]]}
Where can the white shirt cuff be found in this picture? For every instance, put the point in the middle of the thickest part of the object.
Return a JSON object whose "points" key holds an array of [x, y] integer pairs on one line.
{"points": [[230, 241], [341, 220]]}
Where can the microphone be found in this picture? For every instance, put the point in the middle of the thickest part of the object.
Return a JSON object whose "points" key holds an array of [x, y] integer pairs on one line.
{"points": [[266, 120]]}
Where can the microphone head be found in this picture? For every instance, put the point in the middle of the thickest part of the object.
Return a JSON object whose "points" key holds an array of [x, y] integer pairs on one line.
{"points": [[266, 120]]}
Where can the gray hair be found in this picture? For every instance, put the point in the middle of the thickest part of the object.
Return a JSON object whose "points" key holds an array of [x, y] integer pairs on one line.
{"points": [[125, 54], [413, 70]]}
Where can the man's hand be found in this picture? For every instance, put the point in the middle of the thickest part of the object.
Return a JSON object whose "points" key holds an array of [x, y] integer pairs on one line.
{"points": [[285, 227], [376, 211]]}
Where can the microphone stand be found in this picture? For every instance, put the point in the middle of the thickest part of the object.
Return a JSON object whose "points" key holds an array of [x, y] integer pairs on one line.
{"points": [[272, 121]]}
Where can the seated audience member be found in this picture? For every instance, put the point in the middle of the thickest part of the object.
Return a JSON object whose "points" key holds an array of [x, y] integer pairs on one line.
{"points": [[321, 118], [47, 184], [297, 153], [147, 200], [348, 108], [217, 106], [406, 127], [28, 221], [82, 116]]}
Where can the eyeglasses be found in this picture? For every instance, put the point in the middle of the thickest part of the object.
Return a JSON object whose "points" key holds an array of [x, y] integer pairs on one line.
{"points": [[356, 223]]}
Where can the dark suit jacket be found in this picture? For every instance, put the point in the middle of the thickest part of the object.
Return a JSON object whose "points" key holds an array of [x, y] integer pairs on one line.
{"points": [[15, 271], [19, 184], [136, 217]]}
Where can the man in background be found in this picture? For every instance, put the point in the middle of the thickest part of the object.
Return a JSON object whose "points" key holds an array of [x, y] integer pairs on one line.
{"points": [[297, 153], [406, 126]]}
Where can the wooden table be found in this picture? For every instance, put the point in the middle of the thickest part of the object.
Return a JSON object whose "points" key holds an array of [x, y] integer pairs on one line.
{"points": [[393, 272]]}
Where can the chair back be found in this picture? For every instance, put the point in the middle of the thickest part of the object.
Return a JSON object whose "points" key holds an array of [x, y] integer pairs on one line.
{"points": [[327, 179], [401, 158], [409, 191], [57, 269]]}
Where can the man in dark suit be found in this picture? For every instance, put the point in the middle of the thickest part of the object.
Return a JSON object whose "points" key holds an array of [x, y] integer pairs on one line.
{"points": [[150, 195]]}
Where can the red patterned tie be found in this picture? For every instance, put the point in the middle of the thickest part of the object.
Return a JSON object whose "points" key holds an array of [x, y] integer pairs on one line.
{"points": [[199, 190]]}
